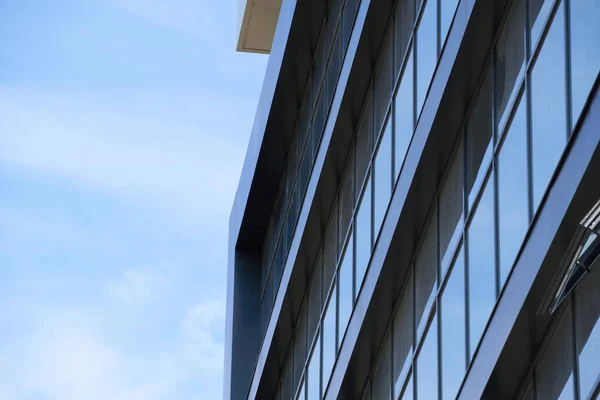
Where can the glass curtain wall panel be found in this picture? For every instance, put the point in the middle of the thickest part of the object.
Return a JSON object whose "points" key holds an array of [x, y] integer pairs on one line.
{"points": [[548, 107], [453, 330], [404, 114], [426, 50], [513, 191], [481, 261], [585, 51]]}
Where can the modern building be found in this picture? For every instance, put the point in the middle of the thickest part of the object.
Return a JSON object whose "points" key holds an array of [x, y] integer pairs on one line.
{"points": [[416, 213]]}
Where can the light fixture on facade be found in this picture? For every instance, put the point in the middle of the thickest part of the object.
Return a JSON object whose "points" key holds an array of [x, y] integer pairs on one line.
{"points": [[581, 254]]}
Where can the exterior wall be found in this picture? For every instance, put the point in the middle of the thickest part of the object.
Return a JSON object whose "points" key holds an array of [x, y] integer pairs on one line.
{"points": [[390, 255]]}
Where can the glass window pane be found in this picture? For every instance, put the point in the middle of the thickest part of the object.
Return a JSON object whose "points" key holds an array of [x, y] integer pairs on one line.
{"points": [[588, 330], [317, 125], [313, 383], [286, 379], [451, 210], [447, 14], [585, 51], [554, 374], [363, 236], [479, 138], [381, 387], [510, 59], [300, 346], [427, 367], [382, 92], [404, 19], [402, 330], [314, 298], [330, 246], [383, 177], [426, 51], [347, 196], [329, 335], [346, 287], [453, 330], [538, 13], [426, 275], [548, 97], [364, 146], [408, 390], [367, 393], [482, 274], [404, 114], [349, 13], [301, 393], [513, 193]]}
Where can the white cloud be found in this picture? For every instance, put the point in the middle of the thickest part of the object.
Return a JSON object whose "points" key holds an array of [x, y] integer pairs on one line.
{"points": [[200, 326], [69, 355], [191, 17], [138, 287], [185, 170]]}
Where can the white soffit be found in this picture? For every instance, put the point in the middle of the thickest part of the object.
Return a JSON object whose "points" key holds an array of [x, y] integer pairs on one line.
{"points": [[257, 20]]}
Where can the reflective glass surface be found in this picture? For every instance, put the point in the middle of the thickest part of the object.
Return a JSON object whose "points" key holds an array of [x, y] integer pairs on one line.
{"points": [[548, 107], [510, 59], [363, 236], [402, 332], [408, 390], [482, 274], [346, 287], [554, 374], [383, 177], [427, 367], [448, 8], [313, 382], [404, 19], [479, 146], [301, 393], [451, 210], [513, 191], [453, 330], [329, 335], [426, 275], [426, 51], [404, 114], [585, 51], [539, 10], [381, 387], [587, 315]]}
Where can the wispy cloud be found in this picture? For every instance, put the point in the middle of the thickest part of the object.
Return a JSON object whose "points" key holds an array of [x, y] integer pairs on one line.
{"points": [[147, 160], [191, 17], [138, 287], [67, 357]]}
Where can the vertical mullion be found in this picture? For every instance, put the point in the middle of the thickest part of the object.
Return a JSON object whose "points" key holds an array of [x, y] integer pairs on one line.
{"points": [[527, 95], [466, 248], [437, 302], [439, 31], [574, 344], [414, 329], [495, 178], [567, 8]]}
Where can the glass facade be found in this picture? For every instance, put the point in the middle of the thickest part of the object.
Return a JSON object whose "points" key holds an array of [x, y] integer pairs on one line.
{"points": [[567, 363], [513, 138], [493, 185], [305, 139]]}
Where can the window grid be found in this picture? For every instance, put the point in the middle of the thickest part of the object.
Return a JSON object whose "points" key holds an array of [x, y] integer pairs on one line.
{"points": [[372, 122], [276, 231], [499, 132]]}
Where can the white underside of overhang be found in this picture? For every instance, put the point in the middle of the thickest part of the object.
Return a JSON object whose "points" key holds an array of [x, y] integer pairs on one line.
{"points": [[257, 20]]}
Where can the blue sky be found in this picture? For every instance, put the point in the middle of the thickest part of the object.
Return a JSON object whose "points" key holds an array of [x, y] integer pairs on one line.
{"points": [[123, 128]]}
